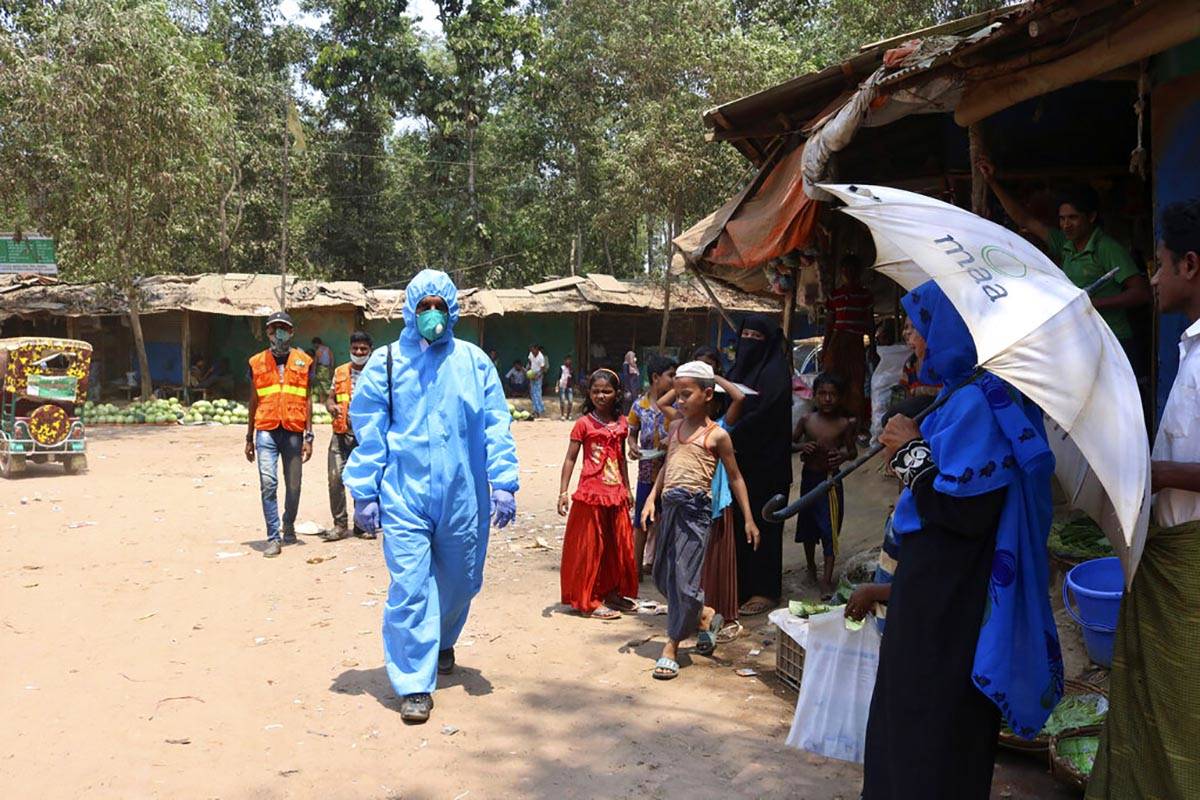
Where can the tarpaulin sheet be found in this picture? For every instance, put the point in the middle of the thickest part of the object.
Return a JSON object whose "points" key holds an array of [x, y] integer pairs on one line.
{"points": [[770, 217]]}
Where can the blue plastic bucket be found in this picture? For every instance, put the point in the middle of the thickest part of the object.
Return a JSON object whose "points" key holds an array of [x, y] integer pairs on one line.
{"points": [[1097, 586]]}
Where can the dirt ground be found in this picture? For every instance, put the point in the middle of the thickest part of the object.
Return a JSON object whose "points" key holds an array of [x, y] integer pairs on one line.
{"points": [[150, 651]]}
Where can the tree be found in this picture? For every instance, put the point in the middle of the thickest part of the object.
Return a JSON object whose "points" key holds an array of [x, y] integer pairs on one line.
{"points": [[109, 140], [368, 67]]}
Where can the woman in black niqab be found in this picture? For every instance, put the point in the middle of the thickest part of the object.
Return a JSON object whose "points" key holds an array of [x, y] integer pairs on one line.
{"points": [[762, 440]]}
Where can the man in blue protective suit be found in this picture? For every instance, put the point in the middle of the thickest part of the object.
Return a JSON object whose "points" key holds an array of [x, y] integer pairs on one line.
{"points": [[435, 457]]}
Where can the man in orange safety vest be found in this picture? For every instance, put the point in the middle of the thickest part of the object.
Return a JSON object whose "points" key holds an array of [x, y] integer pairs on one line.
{"points": [[345, 377], [280, 426]]}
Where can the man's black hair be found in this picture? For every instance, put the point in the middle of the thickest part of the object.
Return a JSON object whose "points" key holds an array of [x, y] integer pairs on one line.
{"points": [[660, 364], [830, 378], [361, 336], [1181, 227], [317, 340], [1083, 198]]}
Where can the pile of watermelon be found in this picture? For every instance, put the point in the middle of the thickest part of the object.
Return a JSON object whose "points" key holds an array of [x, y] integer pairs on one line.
{"points": [[153, 412]]}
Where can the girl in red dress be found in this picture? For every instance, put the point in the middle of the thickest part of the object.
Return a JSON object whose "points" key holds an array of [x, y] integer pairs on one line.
{"points": [[599, 573]]}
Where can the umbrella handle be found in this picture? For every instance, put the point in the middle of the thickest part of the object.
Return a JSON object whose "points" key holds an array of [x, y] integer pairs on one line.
{"points": [[772, 511]]}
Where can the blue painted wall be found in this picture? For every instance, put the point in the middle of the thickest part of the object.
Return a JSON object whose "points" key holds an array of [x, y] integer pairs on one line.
{"points": [[1176, 146]]}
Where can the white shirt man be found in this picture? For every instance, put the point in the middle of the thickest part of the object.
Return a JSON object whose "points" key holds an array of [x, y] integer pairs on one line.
{"points": [[1179, 433]]}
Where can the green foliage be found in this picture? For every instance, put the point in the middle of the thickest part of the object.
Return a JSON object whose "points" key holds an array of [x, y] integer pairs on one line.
{"points": [[110, 135], [528, 139]]}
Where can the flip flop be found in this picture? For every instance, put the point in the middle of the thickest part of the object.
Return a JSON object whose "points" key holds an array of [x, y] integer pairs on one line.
{"points": [[605, 614], [621, 604], [754, 608], [665, 669], [706, 640]]}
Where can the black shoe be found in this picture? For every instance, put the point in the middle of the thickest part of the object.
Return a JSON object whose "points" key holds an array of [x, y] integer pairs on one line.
{"points": [[289, 537], [446, 661], [272, 549], [415, 708], [335, 535]]}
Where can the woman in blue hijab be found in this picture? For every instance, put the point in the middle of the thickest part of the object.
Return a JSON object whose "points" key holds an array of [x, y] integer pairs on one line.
{"points": [[970, 636]]}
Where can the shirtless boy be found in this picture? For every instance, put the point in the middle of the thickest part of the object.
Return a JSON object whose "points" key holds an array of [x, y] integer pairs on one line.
{"points": [[827, 440]]}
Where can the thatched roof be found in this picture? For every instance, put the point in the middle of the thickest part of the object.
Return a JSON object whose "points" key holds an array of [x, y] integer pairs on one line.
{"points": [[250, 295]]}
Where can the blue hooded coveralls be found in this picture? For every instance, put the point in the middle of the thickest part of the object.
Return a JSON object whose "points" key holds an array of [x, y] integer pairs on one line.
{"points": [[430, 470]]}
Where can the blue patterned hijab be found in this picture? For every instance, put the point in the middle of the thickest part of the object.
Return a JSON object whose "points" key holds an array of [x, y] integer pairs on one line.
{"points": [[988, 437]]}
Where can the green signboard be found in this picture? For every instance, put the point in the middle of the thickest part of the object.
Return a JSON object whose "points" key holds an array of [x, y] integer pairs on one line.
{"points": [[30, 254]]}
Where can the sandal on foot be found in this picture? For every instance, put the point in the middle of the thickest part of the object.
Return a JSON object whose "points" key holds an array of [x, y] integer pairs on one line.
{"points": [[619, 603], [605, 614], [706, 640], [665, 669], [752, 608]]}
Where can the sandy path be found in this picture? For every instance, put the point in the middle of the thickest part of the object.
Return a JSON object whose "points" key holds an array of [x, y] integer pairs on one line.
{"points": [[138, 662]]}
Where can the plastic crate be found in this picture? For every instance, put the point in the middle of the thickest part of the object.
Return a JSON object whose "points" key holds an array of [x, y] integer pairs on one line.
{"points": [[789, 662]]}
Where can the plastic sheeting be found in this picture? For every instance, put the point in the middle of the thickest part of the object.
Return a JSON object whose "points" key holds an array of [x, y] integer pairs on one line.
{"points": [[770, 217]]}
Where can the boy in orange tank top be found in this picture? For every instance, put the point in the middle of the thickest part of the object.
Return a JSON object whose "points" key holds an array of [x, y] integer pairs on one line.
{"points": [[695, 443]]}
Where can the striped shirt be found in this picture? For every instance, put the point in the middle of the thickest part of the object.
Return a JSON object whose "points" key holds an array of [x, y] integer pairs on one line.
{"points": [[852, 308]]}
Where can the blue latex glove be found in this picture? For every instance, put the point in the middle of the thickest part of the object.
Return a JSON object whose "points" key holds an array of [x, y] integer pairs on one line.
{"points": [[504, 507], [366, 514]]}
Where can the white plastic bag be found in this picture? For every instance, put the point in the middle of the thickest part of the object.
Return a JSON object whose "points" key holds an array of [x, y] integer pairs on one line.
{"points": [[886, 375], [836, 688]]}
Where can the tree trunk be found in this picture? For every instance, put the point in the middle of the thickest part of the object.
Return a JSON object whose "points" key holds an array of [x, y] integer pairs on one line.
{"points": [[649, 245], [571, 267], [139, 344], [672, 227]]}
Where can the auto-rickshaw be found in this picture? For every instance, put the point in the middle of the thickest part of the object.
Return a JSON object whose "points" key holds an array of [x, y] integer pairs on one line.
{"points": [[43, 384]]}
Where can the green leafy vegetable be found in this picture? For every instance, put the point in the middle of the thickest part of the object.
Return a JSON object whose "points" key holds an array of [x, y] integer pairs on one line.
{"points": [[1076, 711], [1079, 538], [1080, 751]]}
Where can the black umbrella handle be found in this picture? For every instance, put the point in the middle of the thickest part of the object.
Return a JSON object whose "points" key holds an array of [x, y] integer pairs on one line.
{"points": [[774, 511]]}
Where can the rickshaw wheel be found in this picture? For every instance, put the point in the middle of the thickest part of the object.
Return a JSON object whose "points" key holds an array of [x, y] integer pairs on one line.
{"points": [[11, 465], [73, 465]]}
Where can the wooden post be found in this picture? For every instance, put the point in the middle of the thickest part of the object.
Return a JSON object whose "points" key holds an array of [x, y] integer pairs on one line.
{"points": [[789, 305], [72, 325], [979, 187], [186, 354]]}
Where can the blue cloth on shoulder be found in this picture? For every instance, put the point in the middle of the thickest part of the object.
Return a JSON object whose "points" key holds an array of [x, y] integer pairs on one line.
{"points": [[987, 437], [722, 496]]}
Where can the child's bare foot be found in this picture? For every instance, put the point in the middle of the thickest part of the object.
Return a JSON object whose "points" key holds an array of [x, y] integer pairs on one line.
{"points": [[825, 588]]}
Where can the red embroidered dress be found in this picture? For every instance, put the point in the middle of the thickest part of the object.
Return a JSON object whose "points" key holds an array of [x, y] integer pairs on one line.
{"points": [[597, 558]]}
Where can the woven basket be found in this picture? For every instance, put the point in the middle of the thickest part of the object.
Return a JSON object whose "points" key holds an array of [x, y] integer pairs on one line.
{"points": [[789, 662], [1040, 745], [1061, 768]]}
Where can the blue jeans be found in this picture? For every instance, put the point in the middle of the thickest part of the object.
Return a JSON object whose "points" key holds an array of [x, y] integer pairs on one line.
{"points": [[535, 394], [270, 447]]}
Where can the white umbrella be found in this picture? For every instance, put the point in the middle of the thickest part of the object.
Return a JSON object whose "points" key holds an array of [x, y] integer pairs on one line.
{"points": [[1036, 330]]}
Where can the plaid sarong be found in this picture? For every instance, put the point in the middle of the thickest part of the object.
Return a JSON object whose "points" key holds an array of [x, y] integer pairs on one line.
{"points": [[1150, 749]]}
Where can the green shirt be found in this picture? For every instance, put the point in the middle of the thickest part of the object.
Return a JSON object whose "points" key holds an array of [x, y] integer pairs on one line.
{"points": [[1084, 267]]}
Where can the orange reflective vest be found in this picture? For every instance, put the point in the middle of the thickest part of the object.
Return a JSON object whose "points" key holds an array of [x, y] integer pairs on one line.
{"points": [[281, 402], [341, 396]]}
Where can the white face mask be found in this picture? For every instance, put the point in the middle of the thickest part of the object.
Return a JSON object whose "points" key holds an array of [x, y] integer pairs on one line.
{"points": [[358, 361]]}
